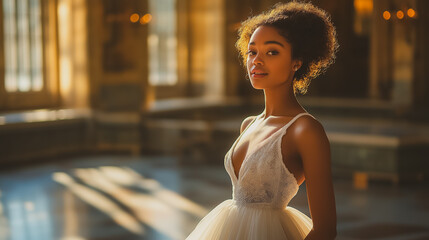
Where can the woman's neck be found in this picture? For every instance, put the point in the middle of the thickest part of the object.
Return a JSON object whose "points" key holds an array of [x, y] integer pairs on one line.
{"points": [[281, 101]]}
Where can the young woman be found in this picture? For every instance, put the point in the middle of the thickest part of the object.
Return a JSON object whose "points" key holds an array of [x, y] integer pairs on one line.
{"points": [[283, 49]]}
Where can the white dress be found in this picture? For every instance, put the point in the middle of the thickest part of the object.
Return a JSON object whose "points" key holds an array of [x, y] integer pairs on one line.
{"points": [[259, 207]]}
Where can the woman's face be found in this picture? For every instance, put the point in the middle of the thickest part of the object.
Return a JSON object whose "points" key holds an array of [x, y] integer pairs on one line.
{"points": [[269, 59]]}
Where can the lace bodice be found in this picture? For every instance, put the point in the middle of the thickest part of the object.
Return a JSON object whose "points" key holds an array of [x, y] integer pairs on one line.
{"points": [[263, 178]]}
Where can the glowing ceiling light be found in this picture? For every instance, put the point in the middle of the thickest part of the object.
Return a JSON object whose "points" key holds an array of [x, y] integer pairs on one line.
{"points": [[134, 17], [400, 14], [146, 18], [411, 13], [386, 15]]}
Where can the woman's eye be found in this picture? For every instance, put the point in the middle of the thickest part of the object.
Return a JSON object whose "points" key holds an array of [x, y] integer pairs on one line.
{"points": [[251, 53], [272, 52]]}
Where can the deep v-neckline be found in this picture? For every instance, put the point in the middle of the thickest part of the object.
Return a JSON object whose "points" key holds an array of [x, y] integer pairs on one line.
{"points": [[256, 148], [233, 148]]}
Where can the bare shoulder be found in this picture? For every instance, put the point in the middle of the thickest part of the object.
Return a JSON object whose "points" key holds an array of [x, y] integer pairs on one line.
{"points": [[307, 126], [246, 122], [308, 131]]}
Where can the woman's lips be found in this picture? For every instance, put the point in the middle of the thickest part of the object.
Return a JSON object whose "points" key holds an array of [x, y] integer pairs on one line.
{"points": [[259, 74]]}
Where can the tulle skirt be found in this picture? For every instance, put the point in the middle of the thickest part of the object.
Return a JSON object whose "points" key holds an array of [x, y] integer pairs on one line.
{"points": [[232, 221]]}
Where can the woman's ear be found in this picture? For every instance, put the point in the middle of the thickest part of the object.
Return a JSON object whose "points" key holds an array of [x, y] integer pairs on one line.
{"points": [[296, 65]]}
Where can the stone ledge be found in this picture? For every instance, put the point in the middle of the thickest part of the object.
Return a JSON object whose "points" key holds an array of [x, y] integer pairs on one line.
{"points": [[379, 147], [43, 115]]}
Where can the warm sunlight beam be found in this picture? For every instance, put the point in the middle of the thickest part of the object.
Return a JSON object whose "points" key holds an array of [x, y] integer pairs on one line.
{"points": [[100, 202], [65, 61], [70, 225], [128, 177], [72, 238], [151, 211]]}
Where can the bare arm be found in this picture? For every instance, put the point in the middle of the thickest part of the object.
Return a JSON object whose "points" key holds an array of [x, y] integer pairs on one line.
{"points": [[314, 149]]}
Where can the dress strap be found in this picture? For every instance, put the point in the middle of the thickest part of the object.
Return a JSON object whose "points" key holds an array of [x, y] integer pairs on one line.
{"points": [[285, 127]]}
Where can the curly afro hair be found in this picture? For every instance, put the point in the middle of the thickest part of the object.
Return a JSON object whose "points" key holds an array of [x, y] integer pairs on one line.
{"points": [[308, 29]]}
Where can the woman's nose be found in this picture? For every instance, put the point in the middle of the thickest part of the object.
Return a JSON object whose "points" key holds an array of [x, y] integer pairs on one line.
{"points": [[258, 60]]}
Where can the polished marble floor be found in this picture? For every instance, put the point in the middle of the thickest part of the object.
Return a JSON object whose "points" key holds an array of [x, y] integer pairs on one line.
{"points": [[152, 197]]}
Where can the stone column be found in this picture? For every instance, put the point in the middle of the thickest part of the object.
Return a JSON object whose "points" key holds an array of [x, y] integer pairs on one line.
{"points": [[404, 41], [393, 49], [73, 53], [207, 43], [118, 71], [380, 53], [421, 84]]}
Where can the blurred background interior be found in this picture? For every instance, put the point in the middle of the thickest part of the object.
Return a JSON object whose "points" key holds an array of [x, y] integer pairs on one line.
{"points": [[115, 116]]}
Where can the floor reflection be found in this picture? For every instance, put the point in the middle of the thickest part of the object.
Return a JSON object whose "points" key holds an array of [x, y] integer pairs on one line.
{"points": [[97, 198], [159, 208], [155, 198], [100, 202], [28, 214]]}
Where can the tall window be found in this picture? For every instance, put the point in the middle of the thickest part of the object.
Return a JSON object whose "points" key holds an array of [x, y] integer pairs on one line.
{"points": [[23, 45], [162, 43]]}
